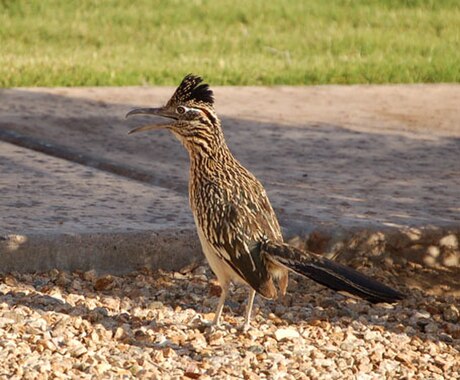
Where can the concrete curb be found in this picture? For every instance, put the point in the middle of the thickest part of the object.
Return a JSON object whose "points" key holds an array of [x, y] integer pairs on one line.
{"points": [[115, 253], [172, 249]]}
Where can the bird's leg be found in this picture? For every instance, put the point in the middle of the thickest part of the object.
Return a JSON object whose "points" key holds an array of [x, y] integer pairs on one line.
{"points": [[247, 320], [220, 306], [283, 284]]}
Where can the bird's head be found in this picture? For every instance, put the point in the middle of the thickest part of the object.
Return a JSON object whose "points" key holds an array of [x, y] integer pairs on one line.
{"points": [[191, 110]]}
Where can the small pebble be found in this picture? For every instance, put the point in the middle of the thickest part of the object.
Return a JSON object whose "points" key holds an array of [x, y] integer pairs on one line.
{"points": [[104, 283], [451, 314], [286, 334]]}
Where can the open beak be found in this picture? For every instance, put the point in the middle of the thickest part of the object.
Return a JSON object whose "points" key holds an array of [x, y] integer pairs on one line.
{"points": [[149, 111]]}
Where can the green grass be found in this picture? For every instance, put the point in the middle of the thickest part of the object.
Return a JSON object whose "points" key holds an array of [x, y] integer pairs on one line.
{"points": [[126, 42]]}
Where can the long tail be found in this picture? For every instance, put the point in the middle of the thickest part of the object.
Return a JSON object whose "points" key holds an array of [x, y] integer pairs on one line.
{"points": [[330, 273]]}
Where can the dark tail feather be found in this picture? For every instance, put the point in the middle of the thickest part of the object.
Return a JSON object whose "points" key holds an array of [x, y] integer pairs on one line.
{"points": [[330, 273]]}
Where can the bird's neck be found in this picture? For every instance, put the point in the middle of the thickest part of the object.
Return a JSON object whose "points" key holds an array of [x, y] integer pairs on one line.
{"points": [[211, 159], [205, 144], [214, 156]]}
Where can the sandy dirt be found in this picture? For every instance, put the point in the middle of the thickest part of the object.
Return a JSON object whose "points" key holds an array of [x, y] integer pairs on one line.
{"points": [[352, 156]]}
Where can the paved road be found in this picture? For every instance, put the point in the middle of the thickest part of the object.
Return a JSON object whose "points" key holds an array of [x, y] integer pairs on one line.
{"points": [[335, 159]]}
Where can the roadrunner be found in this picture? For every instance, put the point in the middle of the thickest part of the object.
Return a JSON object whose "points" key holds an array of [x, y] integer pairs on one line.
{"points": [[237, 227]]}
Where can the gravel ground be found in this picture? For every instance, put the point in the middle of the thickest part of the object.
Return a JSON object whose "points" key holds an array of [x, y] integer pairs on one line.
{"points": [[151, 325]]}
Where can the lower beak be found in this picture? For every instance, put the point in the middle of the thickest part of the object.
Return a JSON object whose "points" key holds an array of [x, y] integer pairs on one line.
{"points": [[148, 128], [148, 111]]}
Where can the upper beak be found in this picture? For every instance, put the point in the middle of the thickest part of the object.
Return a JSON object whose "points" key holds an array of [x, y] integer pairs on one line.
{"points": [[149, 111]]}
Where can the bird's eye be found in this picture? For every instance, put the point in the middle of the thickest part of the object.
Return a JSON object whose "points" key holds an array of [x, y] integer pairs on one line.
{"points": [[180, 110]]}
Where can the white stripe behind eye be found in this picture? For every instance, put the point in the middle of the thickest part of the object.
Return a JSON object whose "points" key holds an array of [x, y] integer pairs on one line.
{"points": [[198, 111]]}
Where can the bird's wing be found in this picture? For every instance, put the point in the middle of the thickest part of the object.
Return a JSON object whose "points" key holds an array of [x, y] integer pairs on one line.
{"points": [[240, 222]]}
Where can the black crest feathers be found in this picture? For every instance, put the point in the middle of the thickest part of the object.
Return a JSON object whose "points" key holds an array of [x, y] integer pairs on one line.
{"points": [[190, 89]]}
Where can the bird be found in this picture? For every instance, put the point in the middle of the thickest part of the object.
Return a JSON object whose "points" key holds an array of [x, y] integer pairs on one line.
{"points": [[237, 227]]}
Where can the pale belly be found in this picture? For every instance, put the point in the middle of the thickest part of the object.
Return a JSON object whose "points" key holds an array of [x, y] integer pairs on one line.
{"points": [[221, 269]]}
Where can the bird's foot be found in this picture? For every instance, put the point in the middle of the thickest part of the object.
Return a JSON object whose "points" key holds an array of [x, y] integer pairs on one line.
{"points": [[201, 323], [246, 327], [206, 326], [212, 328]]}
